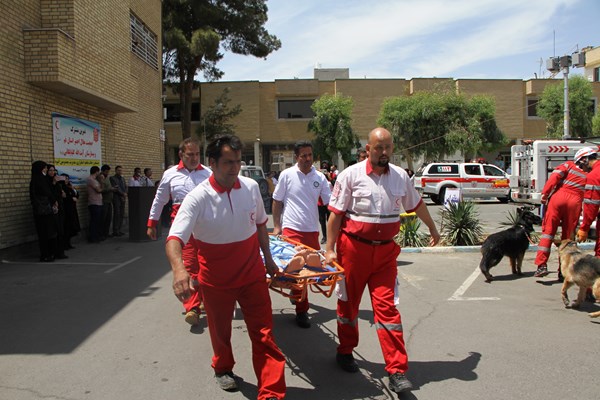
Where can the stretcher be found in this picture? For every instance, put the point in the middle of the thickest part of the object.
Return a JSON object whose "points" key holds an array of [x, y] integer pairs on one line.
{"points": [[317, 277]]}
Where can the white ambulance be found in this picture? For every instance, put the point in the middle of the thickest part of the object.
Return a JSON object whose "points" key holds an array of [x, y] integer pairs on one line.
{"points": [[532, 163]]}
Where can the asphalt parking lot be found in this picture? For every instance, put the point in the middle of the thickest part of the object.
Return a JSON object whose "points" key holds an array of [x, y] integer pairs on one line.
{"points": [[105, 325]]}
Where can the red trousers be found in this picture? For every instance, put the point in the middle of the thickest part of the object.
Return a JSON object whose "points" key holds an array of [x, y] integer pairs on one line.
{"points": [[563, 209], [267, 359], [375, 267], [190, 261], [310, 239]]}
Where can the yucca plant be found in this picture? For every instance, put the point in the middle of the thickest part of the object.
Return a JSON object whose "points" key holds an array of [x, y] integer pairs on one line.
{"points": [[460, 224], [409, 234]]}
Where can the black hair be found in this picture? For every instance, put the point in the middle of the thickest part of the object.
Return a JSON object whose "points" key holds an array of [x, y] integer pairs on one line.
{"points": [[105, 167], [214, 148], [300, 145], [94, 169]]}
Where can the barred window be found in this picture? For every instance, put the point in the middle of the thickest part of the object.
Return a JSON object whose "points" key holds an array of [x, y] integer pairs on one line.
{"points": [[143, 42]]}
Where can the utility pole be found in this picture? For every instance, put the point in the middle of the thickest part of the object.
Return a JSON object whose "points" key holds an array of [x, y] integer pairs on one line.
{"points": [[554, 65]]}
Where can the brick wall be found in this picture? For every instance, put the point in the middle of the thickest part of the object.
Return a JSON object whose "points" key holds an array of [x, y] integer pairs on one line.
{"points": [[93, 44]]}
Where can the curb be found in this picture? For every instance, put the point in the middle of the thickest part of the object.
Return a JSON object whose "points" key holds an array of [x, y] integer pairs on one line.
{"points": [[472, 249]]}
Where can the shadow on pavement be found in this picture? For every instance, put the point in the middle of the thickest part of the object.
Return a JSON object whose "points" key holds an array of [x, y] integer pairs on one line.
{"points": [[51, 308]]}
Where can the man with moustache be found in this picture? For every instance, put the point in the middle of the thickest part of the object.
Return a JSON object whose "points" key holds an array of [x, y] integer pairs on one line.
{"points": [[365, 216], [175, 184]]}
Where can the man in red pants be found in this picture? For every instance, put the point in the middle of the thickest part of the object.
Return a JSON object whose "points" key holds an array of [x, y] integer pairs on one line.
{"points": [[227, 218], [562, 194], [591, 197], [365, 216], [295, 208], [175, 184]]}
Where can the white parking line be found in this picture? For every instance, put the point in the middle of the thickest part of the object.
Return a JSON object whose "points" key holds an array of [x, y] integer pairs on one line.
{"points": [[122, 265], [54, 263], [458, 295]]}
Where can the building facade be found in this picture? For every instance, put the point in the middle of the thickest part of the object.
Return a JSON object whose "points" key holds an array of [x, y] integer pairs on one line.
{"points": [[97, 62], [276, 114]]}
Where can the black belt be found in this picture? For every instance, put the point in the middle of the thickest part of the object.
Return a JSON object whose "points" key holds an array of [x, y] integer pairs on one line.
{"points": [[367, 241]]}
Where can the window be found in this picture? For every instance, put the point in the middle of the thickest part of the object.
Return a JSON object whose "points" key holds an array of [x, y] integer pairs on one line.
{"points": [[597, 74], [291, 109], [492, 171], [174, 112], [593, 105], [444, 169], [532, 104], [143, 42], [473, 169]]}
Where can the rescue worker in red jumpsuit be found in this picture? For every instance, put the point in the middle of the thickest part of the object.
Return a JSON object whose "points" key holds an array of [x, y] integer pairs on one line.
{"points": [[175, 184], [591, 197], [365, 216], [227, 218], [562, 194]]}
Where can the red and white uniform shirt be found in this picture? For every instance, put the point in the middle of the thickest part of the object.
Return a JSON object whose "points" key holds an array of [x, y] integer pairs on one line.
{"points": [[300, 194], [175, 184], [223, 224], [372, 203]]}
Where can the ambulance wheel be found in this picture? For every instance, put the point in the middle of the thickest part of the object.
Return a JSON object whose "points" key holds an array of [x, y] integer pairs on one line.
{"points": [[503, 200], [441, 196], [435, 198]]}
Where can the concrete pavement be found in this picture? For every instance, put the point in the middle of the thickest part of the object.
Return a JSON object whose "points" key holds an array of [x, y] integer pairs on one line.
{"points": [[104, 324]]}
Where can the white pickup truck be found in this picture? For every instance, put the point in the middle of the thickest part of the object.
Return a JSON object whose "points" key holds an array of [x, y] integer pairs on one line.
{"points": [[473, 179]]}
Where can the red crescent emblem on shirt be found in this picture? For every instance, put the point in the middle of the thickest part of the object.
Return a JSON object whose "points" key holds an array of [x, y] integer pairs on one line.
{"points": [[252, 217], [398, 202]]}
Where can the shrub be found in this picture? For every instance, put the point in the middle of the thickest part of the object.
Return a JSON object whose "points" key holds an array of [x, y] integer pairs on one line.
{"points": [[409, 234], [460, 224]]}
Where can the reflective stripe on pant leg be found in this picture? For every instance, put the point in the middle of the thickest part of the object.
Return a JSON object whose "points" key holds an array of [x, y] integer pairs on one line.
{"points": [[267, 359], [190, 261], [355, 258], [549, 226], [219, 306], [388, 321]]}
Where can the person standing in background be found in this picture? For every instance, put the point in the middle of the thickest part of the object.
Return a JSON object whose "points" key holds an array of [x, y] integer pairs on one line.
{"points": [[119, 198], [43, 205], [94, 204], [135, 180], [146, 180]]}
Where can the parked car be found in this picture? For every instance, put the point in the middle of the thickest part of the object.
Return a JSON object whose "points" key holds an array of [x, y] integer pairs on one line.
{"points": [[473, 179], [257, 173]]}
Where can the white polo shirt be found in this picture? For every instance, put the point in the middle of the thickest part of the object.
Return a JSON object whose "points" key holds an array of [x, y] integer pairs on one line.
{"points": [[175, 184], [300, 194], [372, 203], [223, 224]]}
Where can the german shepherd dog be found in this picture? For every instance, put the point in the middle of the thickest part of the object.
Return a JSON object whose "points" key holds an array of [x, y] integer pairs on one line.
{"points": [[580, 269], [512, 242]]}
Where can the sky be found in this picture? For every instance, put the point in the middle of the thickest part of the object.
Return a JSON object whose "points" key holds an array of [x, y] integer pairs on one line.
{"points": [[477, 39]]}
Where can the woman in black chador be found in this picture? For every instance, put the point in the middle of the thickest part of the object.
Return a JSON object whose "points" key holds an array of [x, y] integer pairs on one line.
{"points": [[44, 207]]}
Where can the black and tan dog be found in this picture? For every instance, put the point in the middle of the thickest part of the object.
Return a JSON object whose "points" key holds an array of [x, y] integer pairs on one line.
{"points": [[512, 242], [580, 269]]}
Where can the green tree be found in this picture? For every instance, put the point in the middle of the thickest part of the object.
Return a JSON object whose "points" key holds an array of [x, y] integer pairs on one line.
{"points": [[436, 123], [216, 119], [551, 108], [596, 125], [194, 31], [332, 126]]}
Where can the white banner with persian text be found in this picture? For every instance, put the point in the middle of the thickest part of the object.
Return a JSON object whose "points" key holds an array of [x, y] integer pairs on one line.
{"points": [[77, 146]]}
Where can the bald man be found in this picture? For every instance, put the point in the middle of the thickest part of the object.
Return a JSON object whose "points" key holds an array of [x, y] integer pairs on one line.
{"points": [[365, 206]]}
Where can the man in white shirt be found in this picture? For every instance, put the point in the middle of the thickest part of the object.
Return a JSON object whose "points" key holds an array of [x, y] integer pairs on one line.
{"points": [[146, 180], [227, 218], [175, 184], [295, 211], [134, 181]]}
